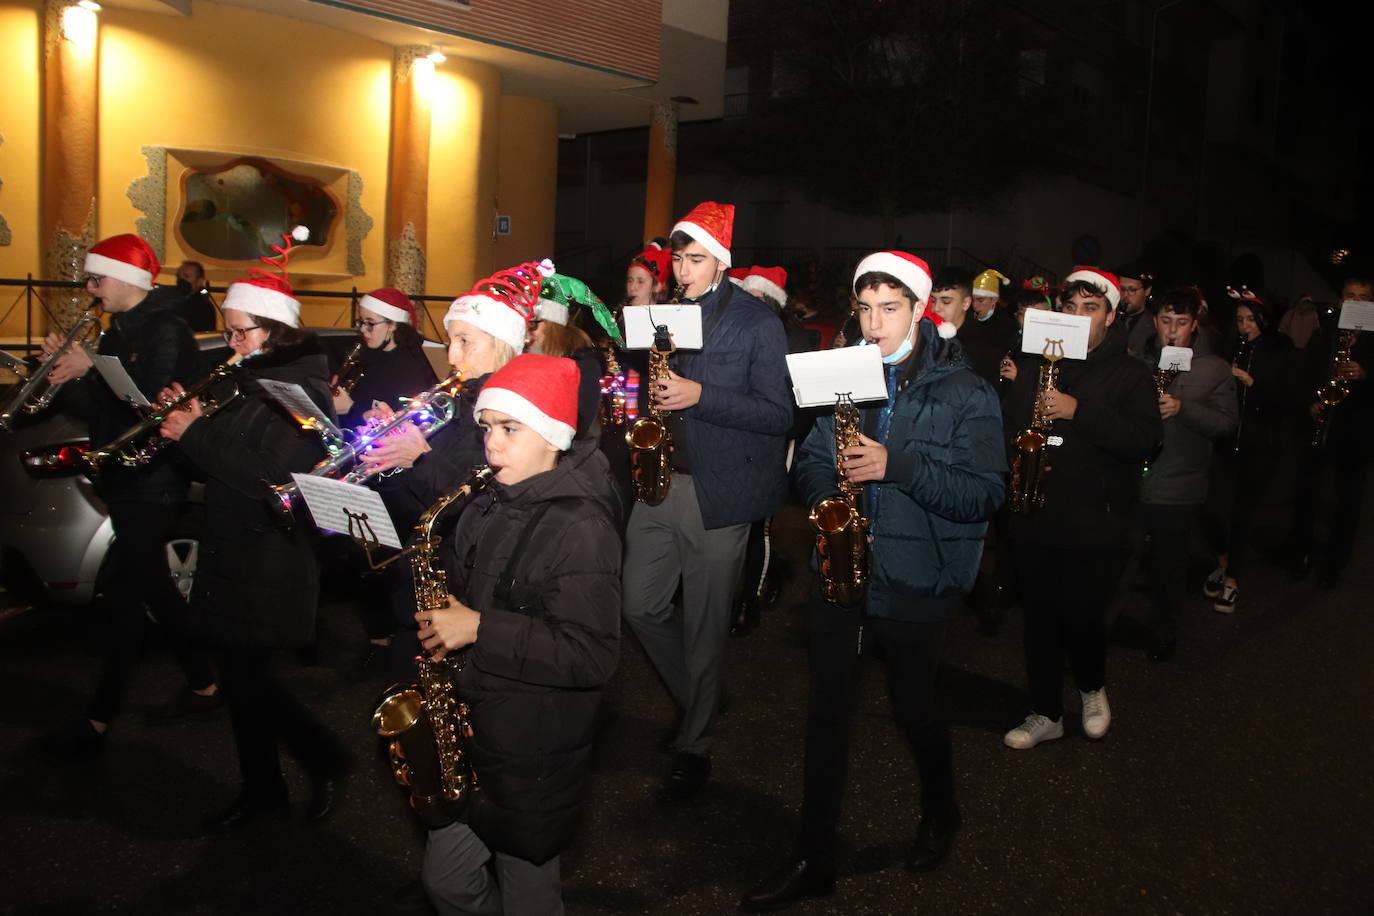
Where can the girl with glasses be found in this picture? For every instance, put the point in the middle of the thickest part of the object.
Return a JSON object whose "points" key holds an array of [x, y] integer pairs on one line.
{"points": [[393, 363]]}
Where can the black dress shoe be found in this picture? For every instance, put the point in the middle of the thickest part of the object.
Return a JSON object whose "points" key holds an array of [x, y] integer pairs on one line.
{"points": [[686, 776], [934, 837], [798, 880], [243, 812], [1162, 650], [746, 618]]}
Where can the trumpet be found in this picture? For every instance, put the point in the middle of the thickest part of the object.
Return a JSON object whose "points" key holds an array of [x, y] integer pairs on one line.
{"points": [[140, 443], [37, 393], [429, 411]]}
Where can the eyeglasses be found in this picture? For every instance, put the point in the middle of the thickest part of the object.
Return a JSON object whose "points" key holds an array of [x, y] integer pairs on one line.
{"points": [[367, 324], [93, 280], [233, 334]]}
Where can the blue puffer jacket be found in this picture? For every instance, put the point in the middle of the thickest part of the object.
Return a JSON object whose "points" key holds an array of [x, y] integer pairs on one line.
{"points": [[736, 432], [945, 478]]}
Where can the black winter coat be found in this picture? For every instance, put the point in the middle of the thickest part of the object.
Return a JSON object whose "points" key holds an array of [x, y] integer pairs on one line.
{"points": [[533, 678], [387, 376], [1272, 361], [257, 584], [1094, 479], [156, 348]]}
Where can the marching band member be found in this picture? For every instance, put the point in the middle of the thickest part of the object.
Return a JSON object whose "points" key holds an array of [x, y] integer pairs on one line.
{"points": [[649, 276], [1070, 553], [157, 349], [257, 585], [486, 330], [730, 412], [932, 464], [394, 364], [534, 571], [1197, 407], [1262, 365]]}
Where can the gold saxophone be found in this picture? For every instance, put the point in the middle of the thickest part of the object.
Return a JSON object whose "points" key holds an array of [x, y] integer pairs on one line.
{"points": [[37, 392], [841, 532], [426, 724], [1030, 463], [648, 437], [1334, 390], [140, 443]]}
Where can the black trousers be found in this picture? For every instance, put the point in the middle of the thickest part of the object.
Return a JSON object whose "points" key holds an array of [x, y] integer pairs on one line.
{"points": [[1239, 485], [265, 718], [1346, 473], [1166, 561], [138, 577], [1064, 597], [839, 641]]}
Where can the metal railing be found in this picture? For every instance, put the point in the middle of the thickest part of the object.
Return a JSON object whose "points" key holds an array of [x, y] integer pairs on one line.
{"points": [[34, 296]]}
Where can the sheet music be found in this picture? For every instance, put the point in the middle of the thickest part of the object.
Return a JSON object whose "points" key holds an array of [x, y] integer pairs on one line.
{"points": [[344, 508], [1043, 325], [1356, 316], [117, 377], [1180, 358], [683, 321], [819, 377], [298, 404]]}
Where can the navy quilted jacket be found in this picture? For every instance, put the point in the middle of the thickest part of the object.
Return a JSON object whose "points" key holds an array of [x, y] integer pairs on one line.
{"points": [[945, 478], [736, 432]]}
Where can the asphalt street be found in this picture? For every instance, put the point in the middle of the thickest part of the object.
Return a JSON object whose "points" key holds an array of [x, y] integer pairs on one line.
{"points": [[1235, 779]]}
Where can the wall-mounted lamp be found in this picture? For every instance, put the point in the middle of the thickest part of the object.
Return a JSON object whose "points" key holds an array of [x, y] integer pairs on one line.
{"points": [[89, 5], [79, 23], [436, 56]]}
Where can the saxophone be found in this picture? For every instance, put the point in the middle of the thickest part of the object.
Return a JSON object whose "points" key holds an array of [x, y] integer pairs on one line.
{"points": [[841, 532], [648, 437], [426, 724], [1029, 466], [1334, 390], [1163, 379]]}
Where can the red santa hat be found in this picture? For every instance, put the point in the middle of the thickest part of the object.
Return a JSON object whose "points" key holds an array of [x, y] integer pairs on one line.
{"points": [[1243, 295], [391, 304], [913, 273], [268, 295], [771, 281], [711, 224], [503, 304], [124, 257], [1100, 278], [654, 261], [539, 391]]}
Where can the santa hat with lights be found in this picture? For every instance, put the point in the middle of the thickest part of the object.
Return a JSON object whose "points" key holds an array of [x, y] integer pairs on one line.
{"points": [[539, 391], [1107, 282], [711, 224], [268, 295], [503, 304], [391, 304], [124, 257]]}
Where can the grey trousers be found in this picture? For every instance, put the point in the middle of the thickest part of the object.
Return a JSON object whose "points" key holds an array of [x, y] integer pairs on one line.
{"points": [[663, 544], [464, 878]]}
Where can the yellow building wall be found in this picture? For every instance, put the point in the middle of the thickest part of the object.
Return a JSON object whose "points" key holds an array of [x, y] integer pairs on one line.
{"points": [[527, 179], [464, 144], [20, 68]]}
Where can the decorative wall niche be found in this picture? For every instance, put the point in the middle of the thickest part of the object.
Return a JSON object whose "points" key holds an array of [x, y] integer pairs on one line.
{"points": [[226, 209]]}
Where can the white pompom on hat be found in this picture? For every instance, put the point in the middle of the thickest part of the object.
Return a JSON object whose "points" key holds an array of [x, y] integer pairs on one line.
{"points": [[539, 391], [124, 257], [1107, 282]]}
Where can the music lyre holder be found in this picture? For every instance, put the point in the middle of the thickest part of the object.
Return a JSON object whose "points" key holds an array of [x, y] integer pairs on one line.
{"points": [[360, 530]]}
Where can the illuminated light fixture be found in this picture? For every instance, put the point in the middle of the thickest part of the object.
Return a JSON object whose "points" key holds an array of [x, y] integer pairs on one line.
{"points": [[436, 56], [79, 23]]}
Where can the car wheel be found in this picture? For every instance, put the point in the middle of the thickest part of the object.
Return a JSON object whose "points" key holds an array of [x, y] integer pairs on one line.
{"points": [[182, 557]]}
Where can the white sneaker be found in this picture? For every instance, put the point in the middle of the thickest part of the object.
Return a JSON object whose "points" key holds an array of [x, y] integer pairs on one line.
{"points": [[1031, 732], [1097, 713], [1226, 601]]}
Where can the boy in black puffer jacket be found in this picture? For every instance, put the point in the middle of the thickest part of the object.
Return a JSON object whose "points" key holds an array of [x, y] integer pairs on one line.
{"points": [[534, 572]]}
